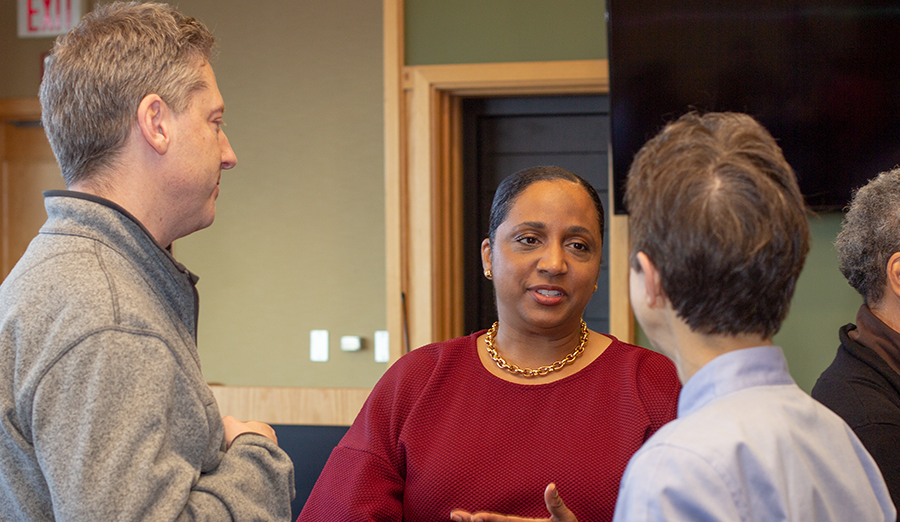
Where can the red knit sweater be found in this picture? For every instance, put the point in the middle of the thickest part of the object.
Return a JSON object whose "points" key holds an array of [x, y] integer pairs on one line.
{"points": [[440, 432]]}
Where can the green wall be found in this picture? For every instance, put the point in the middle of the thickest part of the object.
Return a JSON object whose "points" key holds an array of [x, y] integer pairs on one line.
{"points": [[823, 302], [486, 31], [299, 239]]}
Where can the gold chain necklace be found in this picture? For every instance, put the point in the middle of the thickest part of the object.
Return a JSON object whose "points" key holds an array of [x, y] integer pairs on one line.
{"points": [[536, 372]]}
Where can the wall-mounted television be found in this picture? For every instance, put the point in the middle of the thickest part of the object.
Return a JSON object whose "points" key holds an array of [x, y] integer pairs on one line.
{"points": [[822, 76]]}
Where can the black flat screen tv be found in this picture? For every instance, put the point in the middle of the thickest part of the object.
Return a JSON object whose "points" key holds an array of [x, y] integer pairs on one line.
{"points": [[823, 77]]}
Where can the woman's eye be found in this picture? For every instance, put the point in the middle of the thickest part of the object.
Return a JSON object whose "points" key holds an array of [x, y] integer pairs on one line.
{"points": [[528, 240], [579, 246]]}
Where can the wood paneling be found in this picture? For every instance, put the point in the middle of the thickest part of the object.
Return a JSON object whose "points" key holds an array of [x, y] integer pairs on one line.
{"points": [[395, 199], [517, 78], [306, 406], [621, 318]]}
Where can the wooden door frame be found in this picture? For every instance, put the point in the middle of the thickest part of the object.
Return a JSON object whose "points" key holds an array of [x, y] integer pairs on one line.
{"points": [[12, 110], [423, 183]]}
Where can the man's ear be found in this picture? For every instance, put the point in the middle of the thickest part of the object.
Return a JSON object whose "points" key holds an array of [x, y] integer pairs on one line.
{"points": [[893, 274], [153, 118], [656, 296]]}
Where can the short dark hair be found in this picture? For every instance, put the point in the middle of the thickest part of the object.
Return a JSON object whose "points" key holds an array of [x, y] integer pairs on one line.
{"points": [[516, 183], [870, 235], [98, 73], [717, 209]]}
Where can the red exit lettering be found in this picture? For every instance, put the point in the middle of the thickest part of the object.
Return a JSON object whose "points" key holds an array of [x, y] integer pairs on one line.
{"points": [[51, 14]]}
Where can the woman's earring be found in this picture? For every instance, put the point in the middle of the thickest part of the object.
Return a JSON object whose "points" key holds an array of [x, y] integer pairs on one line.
{"points": [[488, 274], [595, 288]]}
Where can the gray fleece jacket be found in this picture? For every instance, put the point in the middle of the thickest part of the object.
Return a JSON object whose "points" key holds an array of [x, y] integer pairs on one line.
{"points": [[104, 413]]}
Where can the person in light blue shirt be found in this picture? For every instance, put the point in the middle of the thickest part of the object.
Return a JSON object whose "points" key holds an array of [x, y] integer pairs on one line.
{"points": [[719, 235]]}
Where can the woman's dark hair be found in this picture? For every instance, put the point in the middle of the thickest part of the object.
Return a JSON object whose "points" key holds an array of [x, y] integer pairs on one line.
{"points": [[515, 184]]}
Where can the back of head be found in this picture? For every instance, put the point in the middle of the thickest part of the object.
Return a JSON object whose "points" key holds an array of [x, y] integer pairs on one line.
{"points": [[870, 235], [98, 73], [717, 209]]}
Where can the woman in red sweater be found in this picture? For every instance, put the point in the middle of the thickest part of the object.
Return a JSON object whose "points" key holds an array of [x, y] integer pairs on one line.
{"points": [[484, 422]]}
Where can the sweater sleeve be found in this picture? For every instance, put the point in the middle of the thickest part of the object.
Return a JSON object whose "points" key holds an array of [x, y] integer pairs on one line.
{"points": [[355, 486], [364, 478], [254, 481], [122, 432], [658, 387]]}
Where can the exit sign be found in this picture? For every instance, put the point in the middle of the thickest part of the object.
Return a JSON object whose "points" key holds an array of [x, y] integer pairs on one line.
{"points": [[41, 18]]}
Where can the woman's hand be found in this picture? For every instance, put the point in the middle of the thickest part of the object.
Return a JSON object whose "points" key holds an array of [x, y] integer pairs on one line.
{"points": [[555, 505]]}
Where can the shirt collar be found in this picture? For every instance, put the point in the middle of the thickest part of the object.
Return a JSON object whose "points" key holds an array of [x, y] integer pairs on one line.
{"points": [[878, 336], [118, 208], [731, 372]]}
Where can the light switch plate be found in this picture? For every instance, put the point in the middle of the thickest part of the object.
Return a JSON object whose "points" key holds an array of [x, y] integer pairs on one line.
{"points": [[318, 345], [382, 346]]}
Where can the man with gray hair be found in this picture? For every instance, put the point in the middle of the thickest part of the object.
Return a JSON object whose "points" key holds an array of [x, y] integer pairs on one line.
{"points": [[862, 385], [104, 412]]}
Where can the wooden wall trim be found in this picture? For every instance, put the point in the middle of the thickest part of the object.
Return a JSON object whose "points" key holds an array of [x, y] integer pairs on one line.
{"points": [[305, 406], [395, 167], [452, 164], [420, 256], [512, 78], [621, 318], [20, 109]]}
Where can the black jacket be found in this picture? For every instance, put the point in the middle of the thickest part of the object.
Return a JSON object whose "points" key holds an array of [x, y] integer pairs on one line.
{"points": [[864, 390]]}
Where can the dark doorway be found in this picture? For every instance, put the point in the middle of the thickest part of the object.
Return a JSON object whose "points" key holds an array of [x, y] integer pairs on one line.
{"points": [[504, 135]]}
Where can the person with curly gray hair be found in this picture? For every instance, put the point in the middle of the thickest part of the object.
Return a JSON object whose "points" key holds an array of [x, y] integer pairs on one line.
{"points": [[862, 385], [104, 411]]}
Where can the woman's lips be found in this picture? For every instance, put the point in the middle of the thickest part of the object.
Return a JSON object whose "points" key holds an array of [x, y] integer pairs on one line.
{"points": [[548, 295]]}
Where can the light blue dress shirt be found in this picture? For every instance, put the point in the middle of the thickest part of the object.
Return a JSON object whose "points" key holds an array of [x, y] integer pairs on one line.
{"points": [[750, 445]]}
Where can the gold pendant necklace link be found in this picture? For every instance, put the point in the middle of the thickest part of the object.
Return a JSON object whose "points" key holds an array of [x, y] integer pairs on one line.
{"points": [[533, 372]]}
